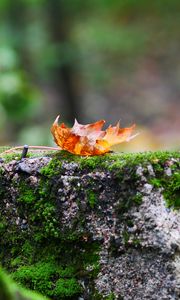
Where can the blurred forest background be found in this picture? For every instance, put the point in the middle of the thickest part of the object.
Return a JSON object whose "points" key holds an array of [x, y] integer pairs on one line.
{"points": [[90, 60]]}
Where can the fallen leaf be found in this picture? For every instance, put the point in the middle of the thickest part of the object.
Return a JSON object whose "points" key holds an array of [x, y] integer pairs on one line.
{"points": [[89, 139]]}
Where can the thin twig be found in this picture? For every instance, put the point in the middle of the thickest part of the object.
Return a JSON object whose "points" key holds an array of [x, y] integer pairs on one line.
{"points": [[31, 147]]}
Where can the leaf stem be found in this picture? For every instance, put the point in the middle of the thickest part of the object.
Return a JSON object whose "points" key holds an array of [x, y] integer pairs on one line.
{"points": [[31, 147]]}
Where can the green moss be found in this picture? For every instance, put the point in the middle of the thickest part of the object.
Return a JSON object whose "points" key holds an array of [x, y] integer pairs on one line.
{"points": [[7, 157], [126, 237], [137, 198], [172, 191], [171, 188], [52, 168], [39, 277], [92, 198], [118, 162], [66, 288], [57, 270], [2, 227], [38, 208], [136, 242], [134, 159], [1, 171], [156, 182], [131, 198], [94, 162], [3, 224], [16, 154], [111, 297], [26, 194], [111, 160]]}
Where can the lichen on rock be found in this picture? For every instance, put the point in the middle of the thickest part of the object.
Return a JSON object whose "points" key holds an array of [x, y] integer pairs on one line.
{"points": [[105, 227]]}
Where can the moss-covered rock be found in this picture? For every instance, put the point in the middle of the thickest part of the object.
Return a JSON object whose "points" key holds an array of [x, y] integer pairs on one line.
{"points": [[104, 227]]}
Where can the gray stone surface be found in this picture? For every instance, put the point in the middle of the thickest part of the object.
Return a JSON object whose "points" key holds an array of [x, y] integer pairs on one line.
{"points": [[140, 244]]}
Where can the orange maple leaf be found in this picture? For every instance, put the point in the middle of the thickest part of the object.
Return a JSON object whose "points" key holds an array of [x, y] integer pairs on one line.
{"points": [[89, 139]]}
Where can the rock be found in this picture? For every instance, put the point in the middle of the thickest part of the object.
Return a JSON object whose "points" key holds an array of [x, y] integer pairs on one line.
{"points": [[32, 165], [87, 228]]}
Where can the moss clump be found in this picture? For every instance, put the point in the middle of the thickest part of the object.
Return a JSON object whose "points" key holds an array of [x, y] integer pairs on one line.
{"points": [[94, 162], [41, 276], [171, 188], [92, 198], [26, 194], [66, 287], [156, 182], [56, 268], [137, 198], [54, 167]]}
